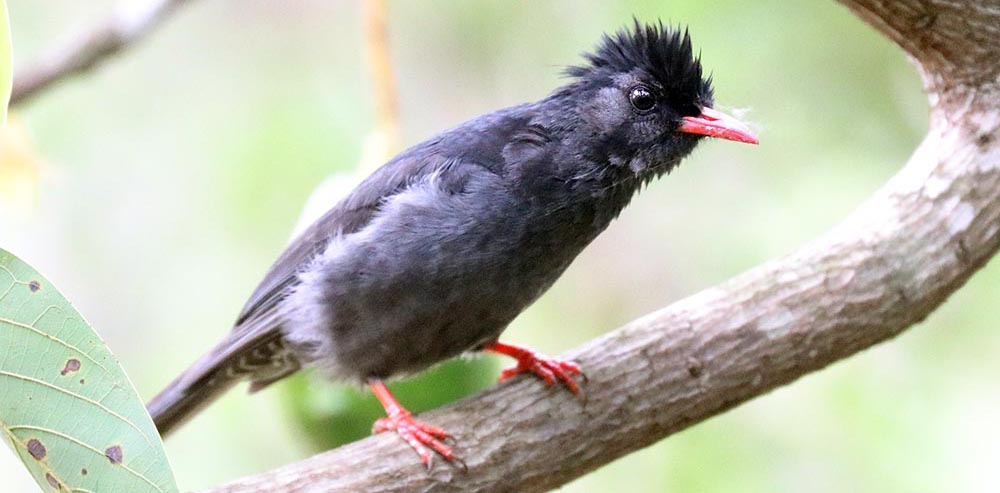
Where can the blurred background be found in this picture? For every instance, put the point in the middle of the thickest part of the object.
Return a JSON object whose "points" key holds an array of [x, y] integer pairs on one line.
{"points": [[157, 190]]}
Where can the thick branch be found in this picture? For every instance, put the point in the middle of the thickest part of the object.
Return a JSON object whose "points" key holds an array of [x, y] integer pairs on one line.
{"points": [[885, 268], [128, 24]]}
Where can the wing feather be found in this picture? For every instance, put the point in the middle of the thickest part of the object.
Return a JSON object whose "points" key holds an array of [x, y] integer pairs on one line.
{"points": [[350, 215]]}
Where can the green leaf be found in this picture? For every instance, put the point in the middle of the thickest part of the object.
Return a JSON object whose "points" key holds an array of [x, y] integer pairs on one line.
{"points": [[6, 62], [66, 405]]}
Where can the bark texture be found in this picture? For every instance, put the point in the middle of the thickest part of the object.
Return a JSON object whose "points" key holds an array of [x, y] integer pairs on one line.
{"points": [[885, 268]]}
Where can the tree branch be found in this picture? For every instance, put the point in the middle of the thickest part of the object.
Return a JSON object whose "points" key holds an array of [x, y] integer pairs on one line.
{"points": [[127, 24], [885, 268]]}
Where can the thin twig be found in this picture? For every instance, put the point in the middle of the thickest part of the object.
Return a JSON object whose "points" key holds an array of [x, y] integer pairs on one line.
{"points": [[129, 23], [383, 141], [381, 72]]}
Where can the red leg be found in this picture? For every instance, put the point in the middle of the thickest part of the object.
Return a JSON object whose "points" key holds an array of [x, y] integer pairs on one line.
{"points": [[528, 361], [419, 435]]}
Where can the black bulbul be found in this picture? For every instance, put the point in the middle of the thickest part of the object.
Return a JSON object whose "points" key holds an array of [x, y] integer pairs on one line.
{"points": [[438, 250]]}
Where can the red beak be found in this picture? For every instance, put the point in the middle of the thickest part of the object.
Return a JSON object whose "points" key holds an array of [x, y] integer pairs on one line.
{"points": [[719, 125]]}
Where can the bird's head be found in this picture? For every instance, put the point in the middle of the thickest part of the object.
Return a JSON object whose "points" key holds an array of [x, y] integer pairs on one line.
{"points": [[643, 100]]}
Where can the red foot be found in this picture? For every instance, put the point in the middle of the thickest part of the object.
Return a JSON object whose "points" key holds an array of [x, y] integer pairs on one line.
{"points": [[528, 361], [422, 437]]}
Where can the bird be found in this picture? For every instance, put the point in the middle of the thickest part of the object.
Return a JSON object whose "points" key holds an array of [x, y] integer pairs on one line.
{"points": [[437, 251]]}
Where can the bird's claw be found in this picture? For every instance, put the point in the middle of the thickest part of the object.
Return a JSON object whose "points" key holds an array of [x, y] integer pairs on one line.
{"points": [[548, 369], [423, 438]]}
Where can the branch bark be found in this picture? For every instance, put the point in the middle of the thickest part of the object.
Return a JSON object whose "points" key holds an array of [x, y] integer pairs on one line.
{"points": [[128, 23], [885, 268]]}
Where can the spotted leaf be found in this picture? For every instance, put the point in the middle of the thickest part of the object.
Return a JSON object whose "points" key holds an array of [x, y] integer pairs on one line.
{"points": [[66, 405]]}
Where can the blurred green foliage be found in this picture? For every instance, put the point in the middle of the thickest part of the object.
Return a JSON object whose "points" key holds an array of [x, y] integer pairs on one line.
{"points": [[176, 172], [332, 415]]}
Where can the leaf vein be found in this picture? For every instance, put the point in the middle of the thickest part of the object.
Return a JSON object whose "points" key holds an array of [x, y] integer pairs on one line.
{"points": [[78, 396], [54, 339], [21, 448], [84, 445]]}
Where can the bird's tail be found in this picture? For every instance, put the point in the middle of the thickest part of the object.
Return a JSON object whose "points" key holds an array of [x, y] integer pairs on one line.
{"points": [[254, 350], [194, 389]]}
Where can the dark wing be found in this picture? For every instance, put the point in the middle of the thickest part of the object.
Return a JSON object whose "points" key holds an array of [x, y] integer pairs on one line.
{"points": [[351, 214], [482, 143]]}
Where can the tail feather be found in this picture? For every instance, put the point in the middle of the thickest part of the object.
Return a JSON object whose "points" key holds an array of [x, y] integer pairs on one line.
{"points": [[255, 350], [188, 394]]}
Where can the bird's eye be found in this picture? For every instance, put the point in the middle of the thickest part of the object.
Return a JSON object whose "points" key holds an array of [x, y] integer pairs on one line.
{"points": [[641, 98]]}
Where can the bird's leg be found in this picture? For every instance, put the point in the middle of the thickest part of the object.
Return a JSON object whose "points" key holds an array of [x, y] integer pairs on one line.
{"points": [[419, 435], [528, 361]]}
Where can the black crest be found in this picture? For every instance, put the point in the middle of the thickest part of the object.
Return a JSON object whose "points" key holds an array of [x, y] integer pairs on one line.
{"points": [[662, 53]]}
